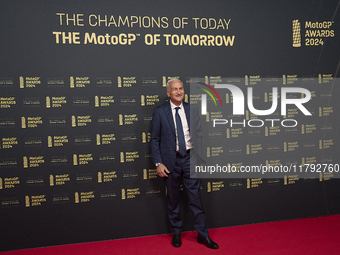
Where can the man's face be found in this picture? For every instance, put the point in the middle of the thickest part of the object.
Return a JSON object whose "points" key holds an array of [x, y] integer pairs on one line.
{"points": [[175, 92]]}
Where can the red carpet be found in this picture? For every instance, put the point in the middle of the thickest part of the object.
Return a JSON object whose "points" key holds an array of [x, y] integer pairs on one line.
{"points": [[306, 236]]}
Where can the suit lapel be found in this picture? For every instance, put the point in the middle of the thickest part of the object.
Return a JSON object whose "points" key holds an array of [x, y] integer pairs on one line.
{"points": [[169, 117], [187, 112]]}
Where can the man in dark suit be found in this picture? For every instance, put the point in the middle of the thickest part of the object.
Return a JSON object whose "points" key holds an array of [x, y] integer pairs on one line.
{"points": [[174, 144]]}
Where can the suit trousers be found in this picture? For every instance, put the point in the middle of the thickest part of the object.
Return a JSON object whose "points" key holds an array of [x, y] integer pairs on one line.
{"points": [[192, 186]]}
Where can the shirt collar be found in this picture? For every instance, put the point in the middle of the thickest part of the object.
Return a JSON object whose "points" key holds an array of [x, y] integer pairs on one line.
{"points": [[173, 106]]}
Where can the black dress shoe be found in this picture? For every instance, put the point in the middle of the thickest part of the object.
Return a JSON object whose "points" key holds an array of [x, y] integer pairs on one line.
{"points": [[176, 240], [208, 242]]}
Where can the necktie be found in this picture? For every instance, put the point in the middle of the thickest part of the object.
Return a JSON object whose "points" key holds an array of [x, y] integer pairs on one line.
{"points": [[180, 134]]}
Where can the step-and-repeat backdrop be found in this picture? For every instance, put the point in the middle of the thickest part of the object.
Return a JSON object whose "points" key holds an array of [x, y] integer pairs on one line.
{"points": [[78, 84]]}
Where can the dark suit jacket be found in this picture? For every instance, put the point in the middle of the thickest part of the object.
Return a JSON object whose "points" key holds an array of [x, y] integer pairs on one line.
{"points": [[163, 134]]}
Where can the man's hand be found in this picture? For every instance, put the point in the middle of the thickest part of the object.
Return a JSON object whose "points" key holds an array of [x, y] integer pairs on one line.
{"points": [[162, 171]]}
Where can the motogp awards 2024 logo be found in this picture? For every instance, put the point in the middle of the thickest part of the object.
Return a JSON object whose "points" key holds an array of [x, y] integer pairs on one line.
{"points": [[315, 33]]}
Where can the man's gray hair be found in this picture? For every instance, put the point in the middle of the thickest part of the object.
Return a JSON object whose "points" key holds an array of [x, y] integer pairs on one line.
{"points": [[172, 80]]}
